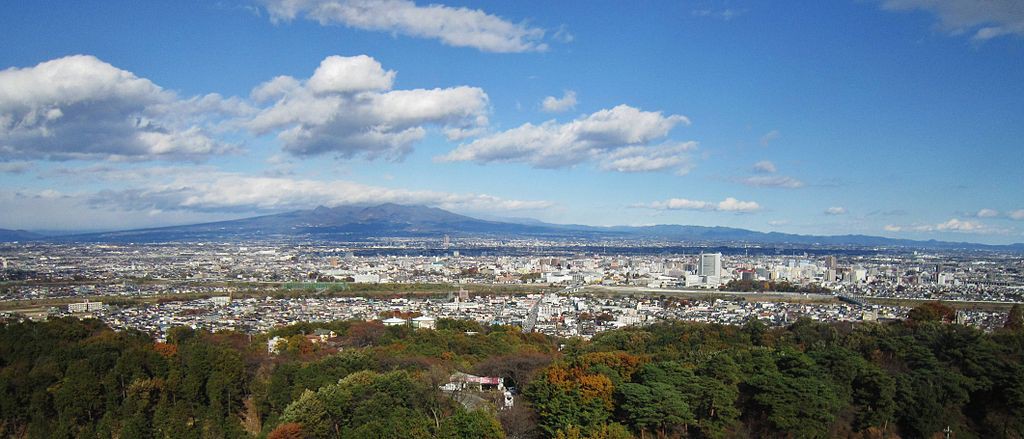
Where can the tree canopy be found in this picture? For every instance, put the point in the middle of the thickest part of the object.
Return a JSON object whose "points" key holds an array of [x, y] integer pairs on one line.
{"points": [[78, 378]]}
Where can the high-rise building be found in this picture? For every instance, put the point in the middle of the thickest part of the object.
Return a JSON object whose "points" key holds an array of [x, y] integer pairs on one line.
{"points": [[830, 262], [710, 264]]}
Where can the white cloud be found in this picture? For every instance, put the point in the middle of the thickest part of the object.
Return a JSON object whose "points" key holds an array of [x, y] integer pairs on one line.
{"points": [[650, 158], [993, 213], [984, 19], [79, 107], [960, 226], [769, 137], [773, 181], [987, 213], [552, 104], [729, 204], [229, 192], [953, 225], [459, 27], [765, 167], [621, 134], [339, 74], [836, 210], [347, 108], [276, 88], [733, 205]]}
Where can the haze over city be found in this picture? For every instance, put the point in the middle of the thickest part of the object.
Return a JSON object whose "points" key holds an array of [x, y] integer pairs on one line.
{"points": [[896, 118]]}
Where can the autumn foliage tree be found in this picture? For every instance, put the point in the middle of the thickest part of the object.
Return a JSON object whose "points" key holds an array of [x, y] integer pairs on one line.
{"points": [[932, 312], [289, 430]]}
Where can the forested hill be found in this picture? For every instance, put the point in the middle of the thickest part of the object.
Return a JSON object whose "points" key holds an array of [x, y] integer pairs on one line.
{"points": [[71, 378]]}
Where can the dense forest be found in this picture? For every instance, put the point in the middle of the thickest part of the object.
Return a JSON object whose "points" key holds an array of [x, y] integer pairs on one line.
{"points": [[77, 378]]}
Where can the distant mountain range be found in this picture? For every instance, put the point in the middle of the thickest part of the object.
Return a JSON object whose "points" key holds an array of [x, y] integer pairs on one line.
{"points": [[7, 235], [393, 220]]}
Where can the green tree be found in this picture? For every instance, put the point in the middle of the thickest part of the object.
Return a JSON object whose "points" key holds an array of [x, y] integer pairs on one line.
{"points": [[475, 424], [655, 407]]}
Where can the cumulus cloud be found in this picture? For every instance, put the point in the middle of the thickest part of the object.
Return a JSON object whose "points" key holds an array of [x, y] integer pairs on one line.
{"points": [[459, 27], [993, 213], [347, 107], [953, 225], [729, 204], [982, 19], [339, 74], [773, 181], [987, 213], [79, 107], [836, 210], [765, 167], [619, 138], [229, 192], [650, 158], [552, 104], [960, 226]]}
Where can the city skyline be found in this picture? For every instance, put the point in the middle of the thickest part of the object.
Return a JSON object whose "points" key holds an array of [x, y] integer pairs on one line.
{"points": [[897, 118]]}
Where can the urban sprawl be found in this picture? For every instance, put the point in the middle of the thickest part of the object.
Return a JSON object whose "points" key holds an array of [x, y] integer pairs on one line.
{"points": [[561, 290]]}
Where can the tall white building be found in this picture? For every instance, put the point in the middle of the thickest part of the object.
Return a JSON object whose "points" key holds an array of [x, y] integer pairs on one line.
{"points": [[710, 265]]}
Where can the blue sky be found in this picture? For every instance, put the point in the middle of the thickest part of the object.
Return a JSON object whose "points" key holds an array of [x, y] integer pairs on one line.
{"points": [[899, 118]]}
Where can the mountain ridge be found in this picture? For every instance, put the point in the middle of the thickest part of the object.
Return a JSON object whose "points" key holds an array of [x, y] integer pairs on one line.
{"points": [[9, 235], [397, 220]]}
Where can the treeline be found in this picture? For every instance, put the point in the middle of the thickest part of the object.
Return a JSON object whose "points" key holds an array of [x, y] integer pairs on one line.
{"points": [[71, 378], [905, 379], [762, 286]]}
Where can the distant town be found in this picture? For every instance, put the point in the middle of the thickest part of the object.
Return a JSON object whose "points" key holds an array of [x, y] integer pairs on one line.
{"points": [[558, 288]]}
